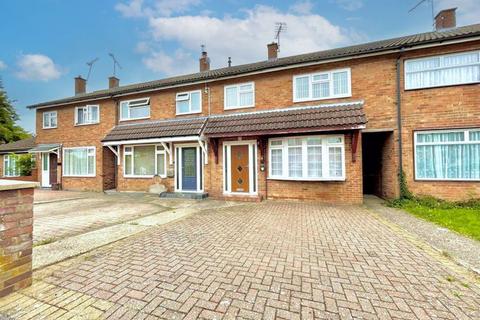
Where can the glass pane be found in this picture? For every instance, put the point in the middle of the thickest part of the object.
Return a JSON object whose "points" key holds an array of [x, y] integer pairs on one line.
{"points": [[45, 119], [124, 110], [423, 64], [340, 83], [80, 118], [321, 90], [319, 77], [294, 142], [295, 162], [246, 87], [140, 112], [231, 97], [334, 140], [182, 106], [128, 164], [474, 135], [441, 137], [91, 165], [161, 164], [314, 141], [460, 59], [53, 120], [195, 101], [276, 162], [314, 155], [246, 98], [93, 114], [276, 142], [76, 162], [335, 161], [128, 149], [144, 160], [302, 88]]}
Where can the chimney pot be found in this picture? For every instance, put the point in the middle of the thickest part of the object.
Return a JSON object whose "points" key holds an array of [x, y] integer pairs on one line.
{"points": [[272, 50], [113, 82], [80, 85], [204, 62], [446, 19]]}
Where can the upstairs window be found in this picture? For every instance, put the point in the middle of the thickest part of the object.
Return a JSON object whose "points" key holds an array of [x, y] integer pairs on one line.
{"points": [[189, 102], [87, 115], [444, 70], [322, 85], [49, 119], [135, 109], [239, 96]]}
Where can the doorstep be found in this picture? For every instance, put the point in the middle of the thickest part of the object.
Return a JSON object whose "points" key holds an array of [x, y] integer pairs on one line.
{"points": [[184, 195]]}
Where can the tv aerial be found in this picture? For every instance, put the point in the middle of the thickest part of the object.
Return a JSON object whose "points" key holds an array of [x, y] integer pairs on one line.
{"points": [[115, 63], [90, 67], [431, 6], [279, 28]]}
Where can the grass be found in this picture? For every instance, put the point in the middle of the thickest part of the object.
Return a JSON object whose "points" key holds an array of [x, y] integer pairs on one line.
{"points": [[462, 217]]}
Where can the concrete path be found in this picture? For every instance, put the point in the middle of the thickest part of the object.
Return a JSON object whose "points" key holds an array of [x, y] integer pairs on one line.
{"points": [[463, 250]]}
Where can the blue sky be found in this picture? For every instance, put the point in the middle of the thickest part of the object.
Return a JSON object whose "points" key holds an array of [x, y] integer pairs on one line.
{"points": [[46, 43]]}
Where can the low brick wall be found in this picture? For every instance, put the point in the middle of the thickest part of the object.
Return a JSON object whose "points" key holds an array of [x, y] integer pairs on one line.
{"points": [[16, 226]]}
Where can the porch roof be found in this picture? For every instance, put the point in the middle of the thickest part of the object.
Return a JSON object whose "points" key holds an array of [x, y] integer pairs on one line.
{"points": [[18, 146], [47, 147], [157, 129], [327, 117]]}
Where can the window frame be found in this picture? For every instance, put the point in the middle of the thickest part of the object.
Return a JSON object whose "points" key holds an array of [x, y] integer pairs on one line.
{"points": [[330, 81], [189, 102], [7, 158], [441, 57], [466, 140], [325, 157], [157, 152], [122, 118], [86, 108], [50, 113], [238, 85], [80, 175]]}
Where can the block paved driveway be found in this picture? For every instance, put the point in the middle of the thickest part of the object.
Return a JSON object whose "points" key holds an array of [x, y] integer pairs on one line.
{"points": [[269, 260]]}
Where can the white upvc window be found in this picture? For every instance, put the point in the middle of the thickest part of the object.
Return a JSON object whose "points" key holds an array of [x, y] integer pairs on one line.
{"points": [[189, 102], [144, 161], [447, 154], [88, 114], [239, 96], [10, 168], [319, 157], [135, 109], [322, 85], [442, 70], [79, 162], [49, 119]]}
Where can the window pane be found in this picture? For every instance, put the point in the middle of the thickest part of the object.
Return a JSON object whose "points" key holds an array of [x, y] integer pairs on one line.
{"points": [[276, 142], [302, 87], [246, 87], [474, 135], [195, 101], [128, 164], [80, 118], [335, 161], [277, 162], [140, 112], [124, 110], [295, 162], [294, 142], [161, 164], [441, 137], [182, 106], [334, 140], [319, 77], [76, 162], [231, 97], [314, 141], [340, 83], [45, 119], [246, 98], [53, 119], [320, 90], [91, 165], [314, 162], [144, 160], [94, 114]]}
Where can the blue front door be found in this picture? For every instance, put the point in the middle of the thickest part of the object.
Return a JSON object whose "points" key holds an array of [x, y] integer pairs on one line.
{"points": [[189, 169]]}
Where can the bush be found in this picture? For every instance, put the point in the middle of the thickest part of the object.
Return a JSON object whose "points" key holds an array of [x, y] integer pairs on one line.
{"points": [[25, 164]]}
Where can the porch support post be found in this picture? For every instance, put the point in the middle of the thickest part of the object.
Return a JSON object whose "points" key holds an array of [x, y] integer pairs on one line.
{"points": [[355, 136], [115, 152], [168, 150], [204, 149]]}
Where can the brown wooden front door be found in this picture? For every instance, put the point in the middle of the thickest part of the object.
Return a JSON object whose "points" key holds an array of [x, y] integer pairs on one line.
{"points": [[53, 168], [239, 169]]}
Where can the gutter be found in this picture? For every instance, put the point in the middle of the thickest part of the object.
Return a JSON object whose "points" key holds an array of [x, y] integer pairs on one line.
{"points": [[379, 52]]}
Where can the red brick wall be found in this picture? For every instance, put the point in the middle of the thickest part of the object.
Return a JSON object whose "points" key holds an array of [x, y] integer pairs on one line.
{"points": [[16, 225]]}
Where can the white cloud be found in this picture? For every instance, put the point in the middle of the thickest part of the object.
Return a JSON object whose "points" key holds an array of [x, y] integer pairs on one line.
{"points": [[3, 65], [302, 7], [181, 62], [242, 38], [137, 8], [468, 11], [37, 67], [131, 9], [350, 5]]}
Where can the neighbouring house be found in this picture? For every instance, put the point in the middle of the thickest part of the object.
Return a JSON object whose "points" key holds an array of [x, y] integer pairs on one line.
{"points": [[10, 153], [329, 125]]}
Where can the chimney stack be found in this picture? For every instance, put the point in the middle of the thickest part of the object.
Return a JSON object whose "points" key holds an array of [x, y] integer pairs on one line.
{"points": [[272, 50], [204, 61], [80, 85], [113, 82], [446, 19]]}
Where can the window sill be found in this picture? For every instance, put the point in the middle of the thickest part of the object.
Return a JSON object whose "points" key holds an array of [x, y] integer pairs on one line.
{"points": [[49, 128], [349, 95], [442, 86], [235, 108], [81, 176], [187, 113], [142, 118], [446, 180], [143, 177], [85, 124], [341, 179]]}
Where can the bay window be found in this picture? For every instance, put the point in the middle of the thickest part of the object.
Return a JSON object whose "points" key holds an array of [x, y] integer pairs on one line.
{"points": [[79, 162], [87, 115], [307, 158], [447, 155], [239, 96], [442, 70], [189, 102], [135, 109], [322, 85], [144, 161]]}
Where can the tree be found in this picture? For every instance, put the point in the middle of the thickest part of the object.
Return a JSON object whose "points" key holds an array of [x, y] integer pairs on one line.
{"points": [[9, 130]]}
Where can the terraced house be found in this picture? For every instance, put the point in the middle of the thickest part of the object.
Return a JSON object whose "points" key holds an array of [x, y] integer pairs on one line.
{"points": [[329, 125]]}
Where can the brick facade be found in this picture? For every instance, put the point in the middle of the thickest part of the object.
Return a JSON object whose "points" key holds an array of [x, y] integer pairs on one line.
{"points": [[373, 80]]}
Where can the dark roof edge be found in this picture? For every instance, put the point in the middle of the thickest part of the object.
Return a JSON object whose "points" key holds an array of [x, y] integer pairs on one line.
{"points": [[376, 51]]}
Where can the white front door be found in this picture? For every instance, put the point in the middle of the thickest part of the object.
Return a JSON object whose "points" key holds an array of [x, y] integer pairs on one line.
{"points": [[46, 170]]}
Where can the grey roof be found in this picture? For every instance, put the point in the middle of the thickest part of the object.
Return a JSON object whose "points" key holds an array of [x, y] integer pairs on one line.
{"points": [[328, 117], [157, 129], [18, 146], [345, 52], [45, 147]]}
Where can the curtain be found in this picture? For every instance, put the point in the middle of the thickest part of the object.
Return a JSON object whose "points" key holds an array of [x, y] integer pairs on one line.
{"points": [[335, 161], [231, 97], [340, 83], [277, 162], [161, 164], [302, 87], [76, 162], [314, 159], [144, 160]]}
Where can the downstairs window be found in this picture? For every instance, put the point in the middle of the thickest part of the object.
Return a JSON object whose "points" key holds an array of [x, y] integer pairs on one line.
{"points": [[79, 162], [144, 161]]}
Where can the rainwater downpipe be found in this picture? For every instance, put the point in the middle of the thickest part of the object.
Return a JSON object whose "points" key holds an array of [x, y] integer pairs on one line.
{"points": [[399, 117]]}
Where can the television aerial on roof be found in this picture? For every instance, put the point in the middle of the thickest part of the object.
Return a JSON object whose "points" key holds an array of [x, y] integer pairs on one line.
{"points": [[115, 63], [432, 7], [279, 28], [90, 67]]}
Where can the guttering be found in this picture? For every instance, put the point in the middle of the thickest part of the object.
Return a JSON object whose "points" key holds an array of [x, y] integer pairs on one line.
{"points": [[267, 70]]}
